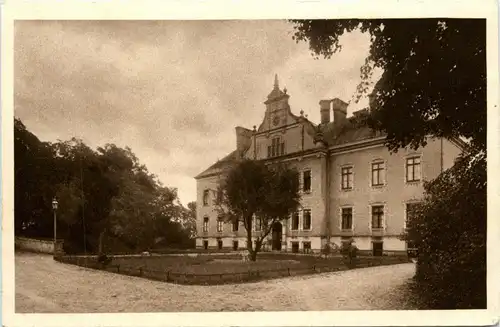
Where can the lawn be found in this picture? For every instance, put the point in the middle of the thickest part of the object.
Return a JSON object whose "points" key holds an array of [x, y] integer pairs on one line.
{"points": [[222, 269], [224, 264]]}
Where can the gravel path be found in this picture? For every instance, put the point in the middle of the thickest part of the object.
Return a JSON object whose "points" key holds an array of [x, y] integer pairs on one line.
{"points": [[43, 285]]}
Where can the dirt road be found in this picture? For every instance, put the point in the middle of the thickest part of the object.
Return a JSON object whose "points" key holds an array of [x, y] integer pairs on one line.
{"points": [[43, 285]]}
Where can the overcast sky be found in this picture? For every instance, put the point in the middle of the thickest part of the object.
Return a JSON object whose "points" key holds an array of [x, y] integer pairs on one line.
{"points": [[172, 90]]}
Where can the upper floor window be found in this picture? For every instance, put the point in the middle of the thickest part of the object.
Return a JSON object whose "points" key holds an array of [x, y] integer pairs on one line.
{"points": [[277, 148], [258, 224], [205, 224], [413, 169], [295, 221], [346, 218], [218, 195], [306, 187], [220, 225], [378, 173], [205, 197], [378, 216], [306, 219], [347, 178]]}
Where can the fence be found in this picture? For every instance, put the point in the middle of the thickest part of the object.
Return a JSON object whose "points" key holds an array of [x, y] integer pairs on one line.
{"points": [[218, 278]]}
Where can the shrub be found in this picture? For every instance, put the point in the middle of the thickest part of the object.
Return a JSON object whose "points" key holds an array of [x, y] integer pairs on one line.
{"points": [[449, 230], [104, 259]]}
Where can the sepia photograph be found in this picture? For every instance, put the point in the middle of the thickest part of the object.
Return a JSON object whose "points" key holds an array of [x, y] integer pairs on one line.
{"points": [[249, 165]]}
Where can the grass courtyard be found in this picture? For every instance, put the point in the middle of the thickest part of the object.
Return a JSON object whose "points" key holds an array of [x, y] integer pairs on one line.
{"points": [[230, 268]]}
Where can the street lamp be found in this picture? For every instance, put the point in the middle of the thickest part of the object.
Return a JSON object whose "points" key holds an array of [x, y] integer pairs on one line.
{"points": [[54, 208]]}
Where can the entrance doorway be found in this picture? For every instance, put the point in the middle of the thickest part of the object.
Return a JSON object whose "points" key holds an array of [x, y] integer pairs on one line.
{"points": [[378, 248], [277, 236]]}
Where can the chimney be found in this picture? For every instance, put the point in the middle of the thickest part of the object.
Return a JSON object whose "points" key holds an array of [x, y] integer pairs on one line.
{"points": [[324, 106], [339, 111], [243, 139]]}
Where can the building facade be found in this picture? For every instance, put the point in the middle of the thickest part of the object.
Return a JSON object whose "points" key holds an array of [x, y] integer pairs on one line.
{"points": [[352, 187]]}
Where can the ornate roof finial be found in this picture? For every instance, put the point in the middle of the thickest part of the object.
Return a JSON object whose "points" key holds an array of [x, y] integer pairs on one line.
{"points": [[276, 84], [302, 113]]}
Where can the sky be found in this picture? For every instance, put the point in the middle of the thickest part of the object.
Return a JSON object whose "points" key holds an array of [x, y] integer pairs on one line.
{"points": [[173, 91]]}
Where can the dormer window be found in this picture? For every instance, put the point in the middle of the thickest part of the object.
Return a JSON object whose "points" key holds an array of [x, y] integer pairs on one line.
{"points": [[277, 148]]}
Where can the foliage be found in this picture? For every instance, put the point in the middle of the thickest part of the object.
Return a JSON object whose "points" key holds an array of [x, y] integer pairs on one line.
{"points": [[108, 200], [433, 75], [252, 192], [433, 84], [450, 235]]}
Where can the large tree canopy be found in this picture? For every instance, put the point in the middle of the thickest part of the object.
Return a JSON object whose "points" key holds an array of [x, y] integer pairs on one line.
{"points": [[256, 193], [108, 200], [434, 75]]}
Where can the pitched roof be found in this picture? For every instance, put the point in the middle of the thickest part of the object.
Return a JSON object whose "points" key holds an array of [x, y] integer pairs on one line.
{"points": [[220, 165]]}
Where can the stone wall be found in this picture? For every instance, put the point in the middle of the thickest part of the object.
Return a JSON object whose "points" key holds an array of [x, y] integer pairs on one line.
{"points": [[37, 245]]}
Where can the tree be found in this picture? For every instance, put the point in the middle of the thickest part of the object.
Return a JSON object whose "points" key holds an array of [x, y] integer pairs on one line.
{"points": [[450, 235], [433, 85], [434, 75], [255, 193], [33, 161]]}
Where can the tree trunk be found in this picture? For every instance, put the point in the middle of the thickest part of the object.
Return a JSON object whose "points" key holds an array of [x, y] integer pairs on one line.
{"points": [[253, 255]]}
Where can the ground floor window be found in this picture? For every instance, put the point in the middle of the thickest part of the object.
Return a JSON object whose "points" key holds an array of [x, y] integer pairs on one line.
{"points": [[205, 244], [377, 248], [219, 244], [235, 245], [295, 247], [307, 247]]}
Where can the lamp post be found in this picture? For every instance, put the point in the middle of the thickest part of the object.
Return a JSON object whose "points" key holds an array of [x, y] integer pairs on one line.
{"points": [[54, 208]]}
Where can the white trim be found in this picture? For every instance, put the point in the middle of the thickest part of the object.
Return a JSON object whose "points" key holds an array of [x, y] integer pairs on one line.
{"points": [[347, 206], [409, 156], [310, 218], [384, 213], [341, 177], [302, 171], [384, 182], [380, 138]]}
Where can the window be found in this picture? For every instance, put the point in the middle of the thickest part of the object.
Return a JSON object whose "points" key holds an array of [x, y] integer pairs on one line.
{"points": [[307, 181], [306, 220], [378, 174], [277, 148], [220, 225], [219, 195], [295, 247], [236, 225], [205, 224], [295, 221], [413, 170], [205, 244], [346, 218], [205, 197], [347, 178], [410, 211], [307, 247], [258, 224], [377, 217], [219, 244], [235, 245]]}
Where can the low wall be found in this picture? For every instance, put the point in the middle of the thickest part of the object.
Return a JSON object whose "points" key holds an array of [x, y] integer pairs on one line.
{"points": [[37, 245]]}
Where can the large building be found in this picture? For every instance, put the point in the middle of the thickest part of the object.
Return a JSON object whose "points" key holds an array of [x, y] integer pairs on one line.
{"points": [[352, 187]]}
